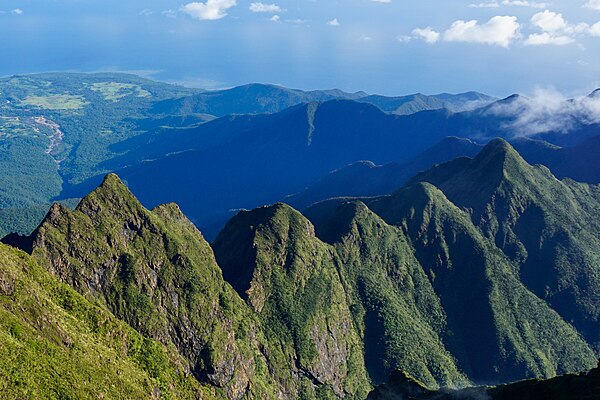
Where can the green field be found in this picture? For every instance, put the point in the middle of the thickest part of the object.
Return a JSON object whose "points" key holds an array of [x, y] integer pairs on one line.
{"points": [[114, 91], [56, 102]]}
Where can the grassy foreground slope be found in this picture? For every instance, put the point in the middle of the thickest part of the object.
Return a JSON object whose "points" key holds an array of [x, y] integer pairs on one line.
{"points": [[56, 344]]}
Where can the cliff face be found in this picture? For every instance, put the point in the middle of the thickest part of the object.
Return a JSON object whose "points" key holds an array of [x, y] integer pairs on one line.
{"points": [[291, 280]]}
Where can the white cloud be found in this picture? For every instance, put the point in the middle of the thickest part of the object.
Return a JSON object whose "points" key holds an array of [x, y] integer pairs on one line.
{"points": [[146, 12], [427, 34], [275, 18], [499, 31], [17, 11], [595, 29], [593, 5], [210, 10], [549, 21], [555, 30], [404, 38], [381, 1], [548, 110], [265, 8], [333, 22]]}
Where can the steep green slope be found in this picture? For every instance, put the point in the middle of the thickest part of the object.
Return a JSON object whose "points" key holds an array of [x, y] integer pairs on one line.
{"points": [[498, 329], [55, 344], [354, 293], [290, 279], [400, 318], [154, 270], [548, 228]]}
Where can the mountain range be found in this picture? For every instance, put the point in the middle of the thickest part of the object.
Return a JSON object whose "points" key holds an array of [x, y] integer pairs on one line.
{"points": [[61, 133], [262, 98], [470, 273]]}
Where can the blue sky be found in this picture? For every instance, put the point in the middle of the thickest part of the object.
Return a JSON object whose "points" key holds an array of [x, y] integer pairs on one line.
{"points": [[386, 46]]}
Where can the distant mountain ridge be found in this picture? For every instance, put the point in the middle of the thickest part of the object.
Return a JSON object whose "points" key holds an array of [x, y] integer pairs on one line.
{"points": [[248, 99], [263, 98], [244, 161], [406, 105], [109, 124]]}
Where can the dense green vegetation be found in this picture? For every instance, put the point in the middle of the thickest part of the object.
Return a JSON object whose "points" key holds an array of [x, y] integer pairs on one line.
{"points": [[158, 274], [547, 228], [55, 344], [91, 111], [290, 279], [24, 220], [430, 292]]}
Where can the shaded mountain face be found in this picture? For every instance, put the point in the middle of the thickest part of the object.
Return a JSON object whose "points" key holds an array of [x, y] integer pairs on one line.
{"points": [[547, 228], [246, 161], [579, 162], [364, 178], [585, 386]]}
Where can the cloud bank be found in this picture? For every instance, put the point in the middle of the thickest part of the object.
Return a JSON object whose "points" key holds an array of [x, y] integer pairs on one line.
{"points": [[499, 31], [545, 27], [548, 110]]}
